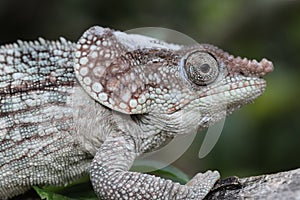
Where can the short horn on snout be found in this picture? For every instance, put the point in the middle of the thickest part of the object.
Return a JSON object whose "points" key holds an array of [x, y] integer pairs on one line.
{"points": [[250, 67]]}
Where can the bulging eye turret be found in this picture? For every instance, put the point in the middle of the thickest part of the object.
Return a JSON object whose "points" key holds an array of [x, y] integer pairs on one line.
{"points": [[201, 68]]}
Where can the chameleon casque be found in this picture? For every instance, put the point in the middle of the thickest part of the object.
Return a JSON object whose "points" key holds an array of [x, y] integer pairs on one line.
{"points": [[68, 109]]}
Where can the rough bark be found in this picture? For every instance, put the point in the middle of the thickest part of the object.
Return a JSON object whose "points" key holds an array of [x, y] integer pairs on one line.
{"points": [[281, 186]]}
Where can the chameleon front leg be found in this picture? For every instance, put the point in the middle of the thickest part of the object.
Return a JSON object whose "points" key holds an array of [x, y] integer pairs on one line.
{"points": [[112, 180]]}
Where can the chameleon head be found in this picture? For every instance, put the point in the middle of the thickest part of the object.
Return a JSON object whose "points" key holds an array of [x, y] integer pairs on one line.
{"points": [[135, 74], [221, 81]]}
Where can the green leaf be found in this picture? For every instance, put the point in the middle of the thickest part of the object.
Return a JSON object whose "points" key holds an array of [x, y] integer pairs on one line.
{"points": [[168, 172], [44, 194], [79, 190]]}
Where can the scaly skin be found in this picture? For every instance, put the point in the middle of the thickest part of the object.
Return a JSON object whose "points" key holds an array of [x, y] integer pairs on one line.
{"points": [[68, 109]]}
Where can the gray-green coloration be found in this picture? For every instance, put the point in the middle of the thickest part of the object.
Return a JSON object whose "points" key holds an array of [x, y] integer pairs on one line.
{"points": [[68, 109]]}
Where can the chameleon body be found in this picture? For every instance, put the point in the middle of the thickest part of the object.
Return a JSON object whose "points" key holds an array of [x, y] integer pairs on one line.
{"points": [[93, 106]]}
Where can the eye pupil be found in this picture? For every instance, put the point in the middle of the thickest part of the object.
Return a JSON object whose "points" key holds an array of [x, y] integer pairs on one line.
{"points": [[205, 68]]}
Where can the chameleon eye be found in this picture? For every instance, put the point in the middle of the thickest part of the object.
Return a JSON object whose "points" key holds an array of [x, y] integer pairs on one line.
{"points": [[201, 68]]}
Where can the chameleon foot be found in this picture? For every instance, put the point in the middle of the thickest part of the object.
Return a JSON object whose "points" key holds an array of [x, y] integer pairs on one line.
{"points": [[204, 182]]}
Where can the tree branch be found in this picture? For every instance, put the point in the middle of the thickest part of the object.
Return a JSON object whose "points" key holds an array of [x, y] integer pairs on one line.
{"points": [[283, 185]]}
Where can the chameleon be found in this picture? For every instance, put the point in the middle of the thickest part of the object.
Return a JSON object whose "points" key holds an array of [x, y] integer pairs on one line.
{"points": [[92, 107]]}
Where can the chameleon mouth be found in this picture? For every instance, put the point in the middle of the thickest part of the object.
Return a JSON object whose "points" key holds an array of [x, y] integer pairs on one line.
{"points": [[245, 92], [238, 87], [254, 85], [247, 89], [233, 93]]}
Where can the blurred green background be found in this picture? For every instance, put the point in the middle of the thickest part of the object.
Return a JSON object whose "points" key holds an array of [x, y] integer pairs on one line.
{"points": [[263, 137]]}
